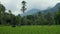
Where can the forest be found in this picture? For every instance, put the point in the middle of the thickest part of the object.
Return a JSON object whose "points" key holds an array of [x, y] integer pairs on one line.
{"points": [[36, 19]]}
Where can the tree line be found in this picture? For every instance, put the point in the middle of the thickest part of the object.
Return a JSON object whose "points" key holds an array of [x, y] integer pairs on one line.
{"points": [[36, 19]]}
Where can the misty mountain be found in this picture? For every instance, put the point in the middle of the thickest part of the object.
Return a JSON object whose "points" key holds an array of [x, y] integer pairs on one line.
{"points": [[34, 11], [31, 12], [52, 10]]}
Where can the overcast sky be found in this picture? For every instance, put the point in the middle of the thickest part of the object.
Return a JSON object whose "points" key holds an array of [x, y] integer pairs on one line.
{"points": [[15, 5]]}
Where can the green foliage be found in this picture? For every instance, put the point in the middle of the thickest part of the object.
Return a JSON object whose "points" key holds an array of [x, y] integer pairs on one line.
{"points": [[2, 10]]}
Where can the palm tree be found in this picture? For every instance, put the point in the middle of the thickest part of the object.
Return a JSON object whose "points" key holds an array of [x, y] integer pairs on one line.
{"points": [[23, 7]]}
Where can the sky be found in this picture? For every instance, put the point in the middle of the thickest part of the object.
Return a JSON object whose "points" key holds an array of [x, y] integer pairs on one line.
{"points": [[15, 5]]}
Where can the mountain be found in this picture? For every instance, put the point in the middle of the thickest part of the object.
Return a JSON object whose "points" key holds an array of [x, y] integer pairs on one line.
{"points": [[30, 12], [34, 11], [52, 10]]}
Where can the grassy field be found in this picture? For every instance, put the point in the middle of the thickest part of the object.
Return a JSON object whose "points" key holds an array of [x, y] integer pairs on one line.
{"points": [[30, 29]]}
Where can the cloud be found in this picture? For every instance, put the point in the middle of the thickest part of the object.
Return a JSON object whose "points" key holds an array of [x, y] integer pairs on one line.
{"points": [[15, 5]]}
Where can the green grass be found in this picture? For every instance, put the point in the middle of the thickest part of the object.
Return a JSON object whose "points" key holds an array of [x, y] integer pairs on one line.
{"points": [[30, 29]]}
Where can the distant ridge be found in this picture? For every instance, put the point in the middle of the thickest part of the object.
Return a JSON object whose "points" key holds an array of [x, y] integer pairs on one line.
{"points": [[34, 11], [31, 12], [54, 9]]}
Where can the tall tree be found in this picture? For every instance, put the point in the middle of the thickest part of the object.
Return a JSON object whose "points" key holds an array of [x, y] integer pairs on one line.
{"points": [[2, 10], [57, 16], [23, 7]]}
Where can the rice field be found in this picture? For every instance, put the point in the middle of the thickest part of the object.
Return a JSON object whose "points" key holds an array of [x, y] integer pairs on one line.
{"points": [[53, 29]]}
